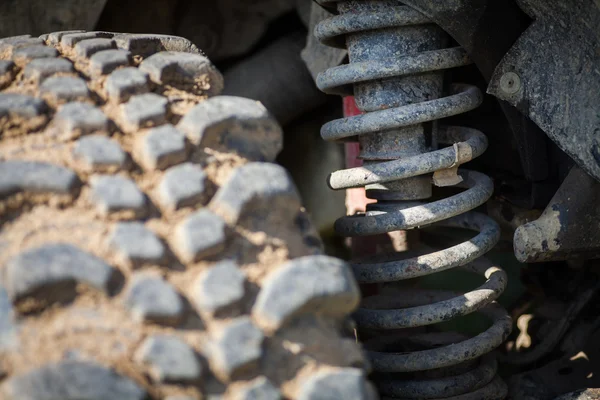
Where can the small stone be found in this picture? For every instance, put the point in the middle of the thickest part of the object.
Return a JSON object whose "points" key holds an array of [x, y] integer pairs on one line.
{"points": [[170, 359], [258, 389], [54, 37], [236, 350], [151, 298], [88, 47], [36, 177], [42, 68], [39, 271], [145, 110], [148, 44], [346, 383], [116, 193], [256, 183], [71, 39], [176, 68], [137, 244], [126, 82], [71, 380], [163, 147], [21, 105], [65, 88], [236, 123], [106, 61], [313, 284], [75, 119], [22, 55], [200, 236], [100, 151], [182, 186], [219, 288]]}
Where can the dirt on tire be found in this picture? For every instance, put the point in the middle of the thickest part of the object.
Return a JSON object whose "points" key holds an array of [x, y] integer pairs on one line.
{"points": [[148, 246]]}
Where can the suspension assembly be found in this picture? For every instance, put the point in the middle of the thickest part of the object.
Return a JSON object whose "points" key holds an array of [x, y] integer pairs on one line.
{"points": [[397, 58]]}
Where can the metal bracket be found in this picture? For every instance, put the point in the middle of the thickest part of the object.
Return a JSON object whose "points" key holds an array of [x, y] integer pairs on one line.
{"points": [[552, 75], [568, 228]]}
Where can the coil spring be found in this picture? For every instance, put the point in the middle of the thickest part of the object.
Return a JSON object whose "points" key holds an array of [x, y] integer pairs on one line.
{"points": [[396, 61]]}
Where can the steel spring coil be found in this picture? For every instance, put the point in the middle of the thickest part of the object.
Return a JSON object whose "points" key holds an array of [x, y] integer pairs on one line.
{"points": [[395, 72]]}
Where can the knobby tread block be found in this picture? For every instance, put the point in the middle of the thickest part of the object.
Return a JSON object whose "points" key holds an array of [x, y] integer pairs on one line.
{"points": [[147, 249]]}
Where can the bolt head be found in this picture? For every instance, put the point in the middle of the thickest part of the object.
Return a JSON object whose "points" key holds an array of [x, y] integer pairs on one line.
{"points": [[510, 83]]}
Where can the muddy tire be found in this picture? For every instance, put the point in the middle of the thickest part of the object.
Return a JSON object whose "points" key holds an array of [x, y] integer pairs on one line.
{"points": [[148, 249]]}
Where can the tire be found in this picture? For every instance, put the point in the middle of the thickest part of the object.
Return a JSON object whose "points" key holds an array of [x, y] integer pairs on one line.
{"points": [[149, 249]]}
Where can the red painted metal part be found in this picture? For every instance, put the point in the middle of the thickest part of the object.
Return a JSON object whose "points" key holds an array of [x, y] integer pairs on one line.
{"points": [[356, 199]]}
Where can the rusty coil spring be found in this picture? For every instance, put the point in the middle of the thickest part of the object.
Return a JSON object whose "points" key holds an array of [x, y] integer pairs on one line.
{"points": [[395, 72]]}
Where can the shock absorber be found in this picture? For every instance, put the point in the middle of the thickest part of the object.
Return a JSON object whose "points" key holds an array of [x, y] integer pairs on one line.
{"points": [[397, 58]]}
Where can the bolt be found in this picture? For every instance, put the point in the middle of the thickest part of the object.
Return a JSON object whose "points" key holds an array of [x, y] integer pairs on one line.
{"points": [[510, 83]]}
